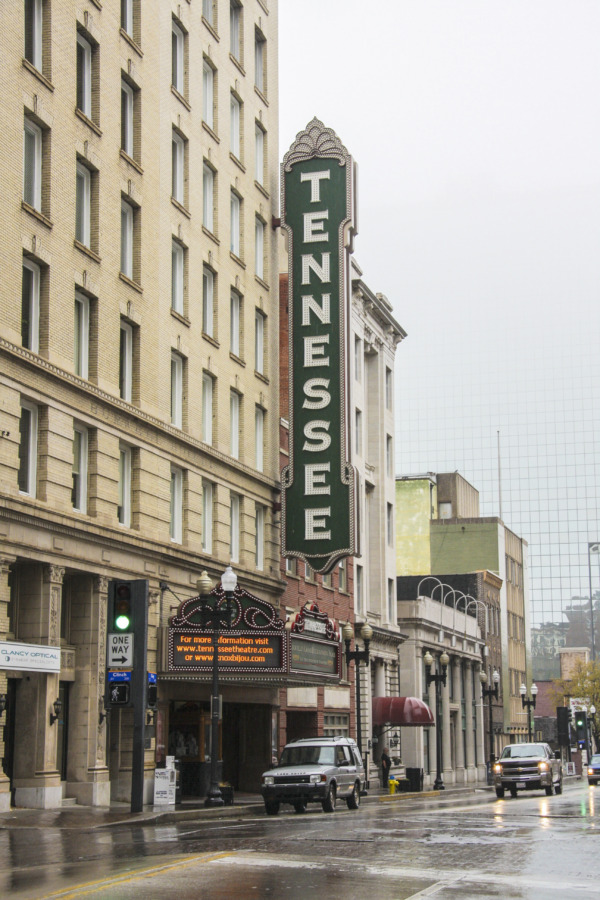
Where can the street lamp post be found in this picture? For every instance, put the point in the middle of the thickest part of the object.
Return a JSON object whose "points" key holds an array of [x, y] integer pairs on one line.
{"points": [[529, 703], [357, 656], [213, 613], [592, 726], [438, 679], [592, 548], [490, 693]]}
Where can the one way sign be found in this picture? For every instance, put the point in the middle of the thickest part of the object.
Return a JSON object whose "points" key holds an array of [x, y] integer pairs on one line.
{"points": [[119, 651]]}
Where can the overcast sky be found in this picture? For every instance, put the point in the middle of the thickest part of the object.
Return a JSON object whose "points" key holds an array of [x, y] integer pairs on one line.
{"points": [[476, 128]]}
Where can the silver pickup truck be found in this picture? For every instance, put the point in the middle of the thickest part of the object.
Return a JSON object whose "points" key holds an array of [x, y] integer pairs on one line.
{"points": [[527, 767]]}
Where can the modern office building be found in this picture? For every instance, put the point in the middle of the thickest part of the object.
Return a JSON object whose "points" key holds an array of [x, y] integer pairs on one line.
{"points": [[138, 365], [517, 413]]}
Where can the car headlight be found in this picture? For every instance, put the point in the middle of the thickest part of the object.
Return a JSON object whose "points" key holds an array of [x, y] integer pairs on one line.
{"points": [[590, 771], [316, 778], [543, 766], [498, 769], [269, 779]]}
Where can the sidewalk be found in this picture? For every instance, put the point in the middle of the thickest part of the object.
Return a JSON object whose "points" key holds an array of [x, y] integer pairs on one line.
{"points": [[89, 818]]}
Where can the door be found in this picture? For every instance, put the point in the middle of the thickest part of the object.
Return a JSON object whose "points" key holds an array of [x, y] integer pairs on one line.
{"points": [[9, 734]]}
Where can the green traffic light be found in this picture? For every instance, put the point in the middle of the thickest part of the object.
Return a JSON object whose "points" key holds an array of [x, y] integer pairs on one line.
{"points": [[122, 622]]}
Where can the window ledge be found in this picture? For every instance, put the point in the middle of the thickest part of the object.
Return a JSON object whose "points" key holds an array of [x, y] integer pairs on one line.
{"points": [[237, 64], [212, 133], [181, 318], [261, 95], [237, 259], [261, 376], [39, 75], [131, 41], [262, 282], [237, 161], [211, 29], [210, 234], [81, 115], [237, 359], [261, 188], [133, 284], [130, 161], [181, 208], [180, 97], [210, 339], [87, 250], [36, 214]]}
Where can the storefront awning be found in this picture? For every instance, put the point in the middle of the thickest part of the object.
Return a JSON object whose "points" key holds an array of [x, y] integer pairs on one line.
{"points": [[401, 711]]}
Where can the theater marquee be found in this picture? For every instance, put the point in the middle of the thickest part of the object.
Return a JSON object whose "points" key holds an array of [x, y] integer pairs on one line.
{"points": [[318, 485]]}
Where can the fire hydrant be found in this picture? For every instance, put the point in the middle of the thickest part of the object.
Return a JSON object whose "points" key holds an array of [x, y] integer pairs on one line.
{"points": [[392, 784]]}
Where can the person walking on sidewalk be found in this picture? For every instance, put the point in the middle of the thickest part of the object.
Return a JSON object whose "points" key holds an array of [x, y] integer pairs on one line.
{"points": [[386, 765]]}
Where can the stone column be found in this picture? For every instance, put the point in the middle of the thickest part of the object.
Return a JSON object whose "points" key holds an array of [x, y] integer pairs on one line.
{"points": [[432, 735], [469, 736], [37, 779], [480, 731], [446, 731], [5, 563], [460, 744], [87, 775]]}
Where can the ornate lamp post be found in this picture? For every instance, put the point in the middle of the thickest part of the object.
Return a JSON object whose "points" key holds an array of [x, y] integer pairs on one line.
{"points": [[357, 656], [592, 724], [214, 613], [529, 703], [490, 693], [438, 679]]}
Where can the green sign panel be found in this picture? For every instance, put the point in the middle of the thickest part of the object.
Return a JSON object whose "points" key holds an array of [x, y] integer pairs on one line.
{"points": [[318, 485]]}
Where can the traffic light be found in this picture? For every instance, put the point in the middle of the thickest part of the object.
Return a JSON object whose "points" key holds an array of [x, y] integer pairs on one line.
{"points": [[126, 643], [581, 727], [121, 613]]}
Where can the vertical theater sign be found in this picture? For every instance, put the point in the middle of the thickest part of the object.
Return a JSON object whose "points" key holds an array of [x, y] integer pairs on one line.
{"points": [[318, 484]]}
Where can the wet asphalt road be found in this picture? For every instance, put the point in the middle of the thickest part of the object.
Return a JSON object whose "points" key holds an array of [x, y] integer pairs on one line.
{"points": [[453, 848]]}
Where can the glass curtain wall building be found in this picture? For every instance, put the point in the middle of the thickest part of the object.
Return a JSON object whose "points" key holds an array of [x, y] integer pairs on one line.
{"points": [[516, 412]]}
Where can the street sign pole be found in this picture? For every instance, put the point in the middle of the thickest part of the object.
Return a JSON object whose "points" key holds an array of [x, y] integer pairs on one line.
{"points": [[139, 688]]}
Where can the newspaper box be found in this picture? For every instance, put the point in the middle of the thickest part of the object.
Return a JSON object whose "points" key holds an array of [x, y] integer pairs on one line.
{"points": [[164, 787]]}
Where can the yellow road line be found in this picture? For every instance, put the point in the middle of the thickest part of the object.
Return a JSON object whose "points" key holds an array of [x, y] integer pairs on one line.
{"points": [[91, 887]]}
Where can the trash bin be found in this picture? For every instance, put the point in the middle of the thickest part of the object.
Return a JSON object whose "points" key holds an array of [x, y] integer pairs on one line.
{"points": [[415, 777]]}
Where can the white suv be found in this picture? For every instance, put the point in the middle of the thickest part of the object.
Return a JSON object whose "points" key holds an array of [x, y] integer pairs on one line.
{"points": [[315, 770]]}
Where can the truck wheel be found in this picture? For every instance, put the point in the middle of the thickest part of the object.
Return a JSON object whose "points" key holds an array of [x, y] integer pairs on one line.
{"points": [[548, 790], [328, 803], [300, 806], [353, 800], [513, 792], [499, 793], [558, 786], [271, 807]]}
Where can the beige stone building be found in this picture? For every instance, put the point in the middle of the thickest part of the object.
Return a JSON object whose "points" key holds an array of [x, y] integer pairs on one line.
{"points": [[138, 360]]}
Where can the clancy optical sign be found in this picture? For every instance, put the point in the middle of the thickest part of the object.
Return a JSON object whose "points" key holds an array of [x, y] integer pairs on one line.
{"points": [[318, 485]]}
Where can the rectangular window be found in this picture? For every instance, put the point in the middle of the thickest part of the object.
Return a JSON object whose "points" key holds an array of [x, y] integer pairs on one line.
{"points": [[127, 239], [234, 323], [208, 12], [343, 576], [291, 565], [358, 359], [259, 248], [178, 167], [80, 468], [207, 408], [28, 444], [208, 299], [207, 515], [127, 118], [33, 33], [358, 432], [178, 59], [177, 276], [359, 600], [84, 76], [389, 455], [259, 154], [30, 306], [127, 17], [176, 390], [336, 725], [234, 135], [81, 345], [389, 388], [260, 537], [208, 94], [125, 361], [259, 341], [32, 165], [327, 581], [83, 204], [259, 61], [124, 505], [235, 18], [176, 510], [309, 575], [234, 518], [390, 524], [208, 190], [259, 437], [236, 203], [234, 420]]}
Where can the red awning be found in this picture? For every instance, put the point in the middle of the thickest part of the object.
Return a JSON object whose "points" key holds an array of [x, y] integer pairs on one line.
{"points": [[401, 711]]}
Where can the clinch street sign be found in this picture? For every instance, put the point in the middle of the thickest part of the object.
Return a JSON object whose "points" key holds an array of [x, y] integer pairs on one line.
{"points": [[318, 485]]}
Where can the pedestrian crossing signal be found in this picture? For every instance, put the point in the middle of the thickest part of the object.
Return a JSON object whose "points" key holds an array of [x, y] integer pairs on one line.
{"points": [[119, 693]]}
